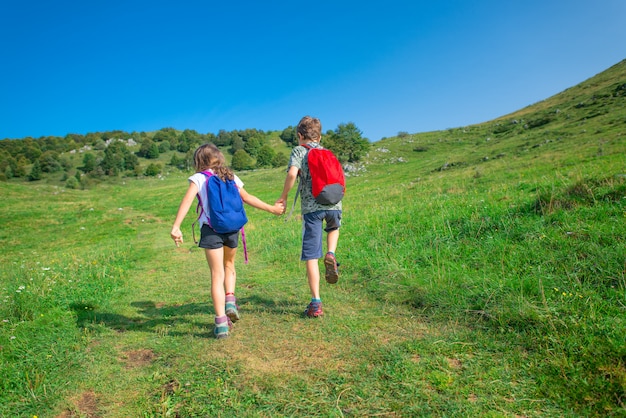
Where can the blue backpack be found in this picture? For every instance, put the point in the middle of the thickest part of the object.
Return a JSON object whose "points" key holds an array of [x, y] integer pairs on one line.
{"points": [[225, 208]]}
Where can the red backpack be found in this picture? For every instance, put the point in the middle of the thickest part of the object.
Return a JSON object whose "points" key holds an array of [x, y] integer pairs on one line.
{"points": [[327, 178]]}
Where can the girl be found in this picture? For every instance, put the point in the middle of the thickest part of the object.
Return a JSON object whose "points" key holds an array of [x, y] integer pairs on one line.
{"points": [[220, 249]]}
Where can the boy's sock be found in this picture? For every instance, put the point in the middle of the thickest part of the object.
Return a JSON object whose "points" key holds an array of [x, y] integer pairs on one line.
{"points": [[316, 300]]}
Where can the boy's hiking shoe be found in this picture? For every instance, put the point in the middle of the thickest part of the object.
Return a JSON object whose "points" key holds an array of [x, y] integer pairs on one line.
{"points": [[232, 311], [222, 328], [332, 268], [314, 310]]}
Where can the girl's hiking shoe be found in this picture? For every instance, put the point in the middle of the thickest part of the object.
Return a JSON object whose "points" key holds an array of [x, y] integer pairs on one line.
{"points": [[314, 310], [232, 311], [223, 325], [332, 268]]}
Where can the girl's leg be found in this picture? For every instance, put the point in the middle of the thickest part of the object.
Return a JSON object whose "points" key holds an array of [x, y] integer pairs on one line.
{"points": [[215, 258], [232, 310], [230, 275]]}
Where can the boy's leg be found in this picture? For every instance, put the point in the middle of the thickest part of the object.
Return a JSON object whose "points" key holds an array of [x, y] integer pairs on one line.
{"points": [[333, 223], [313, 276], [332, 239], [311, 253]]}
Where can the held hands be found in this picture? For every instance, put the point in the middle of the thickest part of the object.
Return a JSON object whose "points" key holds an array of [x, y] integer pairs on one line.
{"points": [[177, 236], [278, 208]]}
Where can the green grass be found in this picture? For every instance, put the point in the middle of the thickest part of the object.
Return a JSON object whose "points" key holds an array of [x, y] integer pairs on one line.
{"points": [[483, 274]]}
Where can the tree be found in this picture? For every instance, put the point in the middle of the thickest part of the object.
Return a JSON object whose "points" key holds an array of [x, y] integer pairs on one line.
{"points": [[164, 146], [89, 163], [113, 161], [71, 183], [20, 169], [49, 162], [289, 136], [32, 152], [242, 161], [347, 143], [118, 158], [177, 162], [165, 134], [237, 145], [265, 156], [253, 145], [130, 160], [223, 139], [280, 160], [153, 170], [149, 149], [35, 171]]}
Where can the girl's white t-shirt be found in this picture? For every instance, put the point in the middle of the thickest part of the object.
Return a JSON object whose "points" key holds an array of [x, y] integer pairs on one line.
{"points": [[200, 180]]}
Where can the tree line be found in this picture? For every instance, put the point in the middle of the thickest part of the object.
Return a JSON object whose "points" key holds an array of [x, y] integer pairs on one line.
{"points": [[113, 153]]}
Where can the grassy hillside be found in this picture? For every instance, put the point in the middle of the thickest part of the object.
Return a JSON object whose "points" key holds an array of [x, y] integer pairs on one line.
{"points": [[482, 274]]}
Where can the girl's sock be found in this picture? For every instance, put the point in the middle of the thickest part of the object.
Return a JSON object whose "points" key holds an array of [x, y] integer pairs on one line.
{"points": [[232, 310], [222, 326], [316, 300]]}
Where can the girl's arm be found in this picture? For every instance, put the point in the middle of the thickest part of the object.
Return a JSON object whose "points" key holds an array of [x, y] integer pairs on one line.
{"points": [[185, 204], [255, 202]]}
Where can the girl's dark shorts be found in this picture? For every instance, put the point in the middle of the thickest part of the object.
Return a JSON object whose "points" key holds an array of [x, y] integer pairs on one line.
{"points": [[211, 240]]}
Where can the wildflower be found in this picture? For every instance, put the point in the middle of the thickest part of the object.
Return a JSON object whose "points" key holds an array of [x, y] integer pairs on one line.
{"points": [[45, 268], [12, 337]]}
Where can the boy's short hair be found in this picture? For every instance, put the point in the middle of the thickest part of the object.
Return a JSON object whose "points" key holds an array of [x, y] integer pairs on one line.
{"points": [[310, 128]]}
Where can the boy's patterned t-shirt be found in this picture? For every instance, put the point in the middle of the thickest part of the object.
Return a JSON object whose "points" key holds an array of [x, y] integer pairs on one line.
{"points": [[307, 201]]}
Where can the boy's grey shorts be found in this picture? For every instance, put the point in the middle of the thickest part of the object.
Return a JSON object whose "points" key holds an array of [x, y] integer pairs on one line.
{"points": [[312, 231], [211, 240]]}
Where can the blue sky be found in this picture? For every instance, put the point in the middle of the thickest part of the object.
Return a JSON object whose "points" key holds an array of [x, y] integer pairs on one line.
{"points": [[414, 66]]}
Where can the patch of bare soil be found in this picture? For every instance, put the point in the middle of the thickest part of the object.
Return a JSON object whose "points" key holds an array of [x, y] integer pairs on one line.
{"points": [[85, 405], [138, 358]]}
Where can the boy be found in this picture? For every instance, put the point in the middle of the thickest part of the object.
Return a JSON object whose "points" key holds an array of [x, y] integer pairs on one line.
{"points": [[309, 133]]}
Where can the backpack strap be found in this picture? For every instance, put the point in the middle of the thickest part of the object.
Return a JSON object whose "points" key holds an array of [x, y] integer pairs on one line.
{"points": [[245, 247], [200, 206], [294, 200], [300, 183]]}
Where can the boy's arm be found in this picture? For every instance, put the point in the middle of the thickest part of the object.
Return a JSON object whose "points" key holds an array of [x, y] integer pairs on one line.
{"points": [[290, 180], [185, 204], [255, 202]]}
